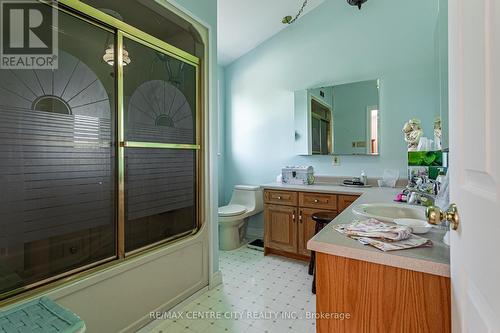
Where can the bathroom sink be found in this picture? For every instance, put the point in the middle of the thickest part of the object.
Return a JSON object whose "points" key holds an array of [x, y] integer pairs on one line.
{"points": [[389, 212]]}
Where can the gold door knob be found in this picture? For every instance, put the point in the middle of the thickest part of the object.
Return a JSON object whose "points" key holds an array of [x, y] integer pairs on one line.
{"points": [[435, 216]]}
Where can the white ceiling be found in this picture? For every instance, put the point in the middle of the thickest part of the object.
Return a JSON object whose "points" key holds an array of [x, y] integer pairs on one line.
{"points": [[244, 24]]}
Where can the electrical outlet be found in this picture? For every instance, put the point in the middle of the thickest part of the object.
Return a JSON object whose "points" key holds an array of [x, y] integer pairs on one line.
{"points": [[336, 160]]}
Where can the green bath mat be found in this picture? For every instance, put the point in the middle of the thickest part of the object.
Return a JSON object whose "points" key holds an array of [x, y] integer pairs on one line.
{"points": [[40, 316]]}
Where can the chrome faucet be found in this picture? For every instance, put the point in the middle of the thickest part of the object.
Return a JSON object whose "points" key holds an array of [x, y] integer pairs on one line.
{"points": [[415, 197]]}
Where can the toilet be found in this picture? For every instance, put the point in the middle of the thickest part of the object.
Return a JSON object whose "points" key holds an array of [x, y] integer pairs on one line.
{"points": [[246, 201]]}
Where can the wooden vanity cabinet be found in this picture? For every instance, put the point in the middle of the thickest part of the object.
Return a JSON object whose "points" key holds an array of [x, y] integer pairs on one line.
{"points": [[306, 230], [345, 201], [318, 201], [288, 219], [281, 198], [281, 227], [380, 298]]}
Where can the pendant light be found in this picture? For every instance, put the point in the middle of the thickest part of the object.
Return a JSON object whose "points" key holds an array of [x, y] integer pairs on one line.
{"points": [[289, 20], [109, 56], [357, 3], [109, 52]]}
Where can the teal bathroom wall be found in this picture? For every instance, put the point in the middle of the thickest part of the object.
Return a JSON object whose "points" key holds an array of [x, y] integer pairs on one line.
{"points": [[442, 58], [221, 86], [327, 94], [206, 12], [333, 44]]}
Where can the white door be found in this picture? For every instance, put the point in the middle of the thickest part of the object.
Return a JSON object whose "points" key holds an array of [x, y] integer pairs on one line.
{"points": [[474, 27]]}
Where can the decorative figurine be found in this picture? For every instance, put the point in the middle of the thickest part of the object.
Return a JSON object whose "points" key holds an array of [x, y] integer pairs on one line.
{"points": [[438, 132], [413, 132]]}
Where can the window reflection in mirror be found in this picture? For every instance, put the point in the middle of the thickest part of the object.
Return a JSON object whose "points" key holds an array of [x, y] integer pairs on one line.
{"points": [[373, 127]]}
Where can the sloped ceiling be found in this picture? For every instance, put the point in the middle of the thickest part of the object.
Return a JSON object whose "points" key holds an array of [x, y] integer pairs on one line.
{"points": [[244, 24]]}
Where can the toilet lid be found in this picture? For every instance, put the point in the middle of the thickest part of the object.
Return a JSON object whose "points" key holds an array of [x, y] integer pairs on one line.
{"points": [[232, 210]]}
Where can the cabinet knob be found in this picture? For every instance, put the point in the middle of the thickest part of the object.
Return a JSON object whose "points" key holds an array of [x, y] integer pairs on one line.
{"points": [[279, 198], [316, 200]]}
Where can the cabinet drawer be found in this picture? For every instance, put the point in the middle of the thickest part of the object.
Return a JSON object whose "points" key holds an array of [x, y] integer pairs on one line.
{"points": [[318, 200], [288, 198], [345, 201]]}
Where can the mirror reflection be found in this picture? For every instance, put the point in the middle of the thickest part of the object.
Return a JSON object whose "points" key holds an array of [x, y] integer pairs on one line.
{"points": [[340, 119]]}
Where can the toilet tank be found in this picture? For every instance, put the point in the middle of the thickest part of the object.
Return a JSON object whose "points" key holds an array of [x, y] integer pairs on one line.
{"points": [[249, 196]]}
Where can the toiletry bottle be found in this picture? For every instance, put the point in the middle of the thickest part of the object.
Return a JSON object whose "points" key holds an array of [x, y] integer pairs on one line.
{"points": [[364, 179], [440, 179]]}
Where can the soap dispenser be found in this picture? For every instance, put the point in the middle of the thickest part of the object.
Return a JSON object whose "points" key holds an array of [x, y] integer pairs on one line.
{"points": [[364, 179]]}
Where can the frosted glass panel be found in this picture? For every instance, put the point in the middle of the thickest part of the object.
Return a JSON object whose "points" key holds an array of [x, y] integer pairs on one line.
{"points": [[160, 97], [57, 159], [160, 183], [161, 195]]}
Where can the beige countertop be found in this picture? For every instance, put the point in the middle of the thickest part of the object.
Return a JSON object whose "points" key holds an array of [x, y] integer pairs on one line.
{"points": [[434, 260]]}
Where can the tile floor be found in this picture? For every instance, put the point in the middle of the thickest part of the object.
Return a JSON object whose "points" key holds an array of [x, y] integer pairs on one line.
{"points": [[259, 294]]}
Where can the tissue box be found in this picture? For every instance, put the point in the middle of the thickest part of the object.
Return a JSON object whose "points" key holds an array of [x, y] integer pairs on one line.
{"points": [[298, 175]]}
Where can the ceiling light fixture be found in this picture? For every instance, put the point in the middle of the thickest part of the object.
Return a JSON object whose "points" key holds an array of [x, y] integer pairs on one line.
{"points": [[289, 20], [109, 56], [109, 47], [357, 3]]}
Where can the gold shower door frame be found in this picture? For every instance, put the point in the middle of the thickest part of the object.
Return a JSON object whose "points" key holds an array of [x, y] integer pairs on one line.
{"points": [[121, 29], [123, 145]]}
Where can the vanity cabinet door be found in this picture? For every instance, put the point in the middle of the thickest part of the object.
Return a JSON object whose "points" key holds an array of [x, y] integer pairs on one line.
{"points": [[345, 201], [306, 229], [281, 228]]}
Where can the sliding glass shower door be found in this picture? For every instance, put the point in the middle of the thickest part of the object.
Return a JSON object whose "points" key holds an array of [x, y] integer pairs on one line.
{"points": [[160, 147], [99, 158], [57, 160]]}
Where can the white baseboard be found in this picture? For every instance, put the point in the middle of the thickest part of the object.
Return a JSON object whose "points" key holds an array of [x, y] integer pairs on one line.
{"points": [[215, 280]]}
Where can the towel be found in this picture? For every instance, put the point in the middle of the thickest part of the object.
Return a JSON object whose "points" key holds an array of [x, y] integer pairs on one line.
{"points": [[382, 236], [375, 229], [413, 242]]}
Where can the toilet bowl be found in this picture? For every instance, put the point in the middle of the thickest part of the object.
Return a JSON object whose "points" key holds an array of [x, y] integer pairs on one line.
{"points": [[246, 201]]}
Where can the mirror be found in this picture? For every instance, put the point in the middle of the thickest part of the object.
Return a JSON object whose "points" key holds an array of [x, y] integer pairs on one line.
{"points": [[341, 119]]}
